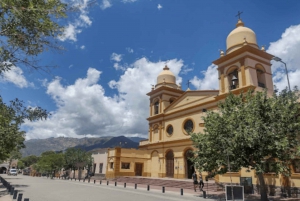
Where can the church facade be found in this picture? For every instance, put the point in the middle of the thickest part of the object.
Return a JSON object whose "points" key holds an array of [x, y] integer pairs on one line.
{"points": [[174, 112]]}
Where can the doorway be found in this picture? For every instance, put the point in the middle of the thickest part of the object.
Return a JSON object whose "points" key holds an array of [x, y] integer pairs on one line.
{"points": [[138, 169], [189, 165], [170, 164]]}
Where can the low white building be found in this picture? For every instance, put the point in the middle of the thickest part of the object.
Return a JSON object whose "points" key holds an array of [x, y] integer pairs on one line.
{"points": [[100, 162]]}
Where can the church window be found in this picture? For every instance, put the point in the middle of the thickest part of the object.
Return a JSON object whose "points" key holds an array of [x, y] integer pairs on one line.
{"points": [[111, 165], [156, 107], [125, 166], [233, 79], [296, 165], [170, 130], [188, 126], [260, 76]]}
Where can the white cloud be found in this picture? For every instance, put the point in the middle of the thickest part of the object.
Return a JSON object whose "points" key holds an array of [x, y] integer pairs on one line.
{"points": [[287, 48], [82, 21], [209, 81], [159, 7], [116, 57], [83, 107], [105, 4], [15, 76], [82, 47], [70, 33], [130, 50], [128, 1]]}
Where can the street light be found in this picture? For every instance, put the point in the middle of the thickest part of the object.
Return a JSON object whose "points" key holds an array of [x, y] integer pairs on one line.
{"points": [[286, 71]]}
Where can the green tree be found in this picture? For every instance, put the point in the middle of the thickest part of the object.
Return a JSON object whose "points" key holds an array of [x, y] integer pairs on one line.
{"points": [[76, 158], [11, 118], [21, 165], [30, 160], [250, 129], [50, 162], [28, 28]]}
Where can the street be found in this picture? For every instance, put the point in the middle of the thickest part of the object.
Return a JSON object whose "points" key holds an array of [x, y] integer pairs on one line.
{"points": [[45, 189]]}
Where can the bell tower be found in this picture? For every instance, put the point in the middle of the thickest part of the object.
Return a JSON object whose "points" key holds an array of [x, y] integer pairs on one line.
{"points": [[244, 65], [163, 94]]}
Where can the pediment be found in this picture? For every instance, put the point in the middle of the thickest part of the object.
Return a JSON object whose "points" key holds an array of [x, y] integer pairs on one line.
{"points": [[192, 98]]}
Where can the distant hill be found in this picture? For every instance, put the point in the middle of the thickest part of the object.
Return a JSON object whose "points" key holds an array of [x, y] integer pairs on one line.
{"points": [[38, 146]]}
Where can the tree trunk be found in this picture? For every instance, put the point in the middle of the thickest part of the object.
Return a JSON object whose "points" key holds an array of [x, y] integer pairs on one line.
{"points": [[263, 190]]}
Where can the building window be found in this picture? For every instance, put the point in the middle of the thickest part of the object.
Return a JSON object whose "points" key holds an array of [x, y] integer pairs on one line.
{"points": [[233, 79], [125, 166], [156, 107], [296, 165], [260, 76], [170, 130], [100, 167], [111, 165], [269, 166], [188, 126]]}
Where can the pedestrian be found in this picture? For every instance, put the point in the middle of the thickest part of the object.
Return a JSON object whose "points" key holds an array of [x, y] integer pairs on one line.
{"points": [[195, 180], [201, 184]]}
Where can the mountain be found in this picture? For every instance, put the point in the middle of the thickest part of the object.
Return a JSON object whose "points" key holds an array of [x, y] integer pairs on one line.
{"points": [[38, 146]]}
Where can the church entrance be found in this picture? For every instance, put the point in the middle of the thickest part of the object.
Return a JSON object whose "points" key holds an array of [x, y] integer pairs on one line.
{"points": [[189, 166], [170, 164]]}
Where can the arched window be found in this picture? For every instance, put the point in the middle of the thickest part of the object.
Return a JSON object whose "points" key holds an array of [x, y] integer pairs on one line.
{"points": [[156, 107], [260, 72], [233, 79]]}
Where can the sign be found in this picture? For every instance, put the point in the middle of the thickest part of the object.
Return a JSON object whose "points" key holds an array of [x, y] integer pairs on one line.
{"points": [[238, 193]]}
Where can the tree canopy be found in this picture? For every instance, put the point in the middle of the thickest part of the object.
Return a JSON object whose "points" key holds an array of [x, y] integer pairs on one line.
{"points": [[28, 28], [77, 158], [50, 161], [251, 129], [11, 117]]}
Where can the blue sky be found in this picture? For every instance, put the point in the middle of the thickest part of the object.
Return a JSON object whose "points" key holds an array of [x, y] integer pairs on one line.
{"points": [[116, 48]]}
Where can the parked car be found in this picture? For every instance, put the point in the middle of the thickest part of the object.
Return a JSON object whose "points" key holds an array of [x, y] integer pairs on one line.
{"points": [[13, 172]]}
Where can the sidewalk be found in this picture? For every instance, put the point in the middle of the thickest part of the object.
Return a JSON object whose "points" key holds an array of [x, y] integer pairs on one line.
{"points": [[4, 196]]}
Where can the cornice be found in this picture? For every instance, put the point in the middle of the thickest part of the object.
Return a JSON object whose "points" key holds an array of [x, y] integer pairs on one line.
{"points": [[246, 48], [164, 88]]}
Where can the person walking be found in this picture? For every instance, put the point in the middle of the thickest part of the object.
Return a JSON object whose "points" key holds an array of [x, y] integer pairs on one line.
{"points": [[201, 183], [195, 180]]}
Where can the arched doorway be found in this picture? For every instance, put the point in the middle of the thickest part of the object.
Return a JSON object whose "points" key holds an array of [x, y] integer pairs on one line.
{"points": [[189, 165], [170, 164], [3, 170]]}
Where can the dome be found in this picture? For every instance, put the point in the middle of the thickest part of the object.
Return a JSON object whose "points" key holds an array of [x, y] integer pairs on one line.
{"points": [[166, 77], [239, 36]]}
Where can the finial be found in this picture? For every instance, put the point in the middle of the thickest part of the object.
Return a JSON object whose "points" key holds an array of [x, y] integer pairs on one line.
{"points": [[245, 41], [263, 48], [166, 66], [221, 53], [239, 14], [240, 23], [152, 87]]}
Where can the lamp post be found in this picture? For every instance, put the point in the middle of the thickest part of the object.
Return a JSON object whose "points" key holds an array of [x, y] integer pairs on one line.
{"points": [[286, 71]]}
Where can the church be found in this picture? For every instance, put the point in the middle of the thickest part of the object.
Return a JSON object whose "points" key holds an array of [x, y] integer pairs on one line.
{"points": [[174, 112]]}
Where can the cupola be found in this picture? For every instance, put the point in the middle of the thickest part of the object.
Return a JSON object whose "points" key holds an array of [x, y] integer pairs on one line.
{"points": [[240, 36], [166, 78]]}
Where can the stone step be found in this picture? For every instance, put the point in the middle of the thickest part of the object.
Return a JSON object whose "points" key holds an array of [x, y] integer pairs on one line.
{"points": [[185, 184]]}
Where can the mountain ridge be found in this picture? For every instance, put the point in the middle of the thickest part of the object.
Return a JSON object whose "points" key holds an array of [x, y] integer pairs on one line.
{"points": [[38, 146]]}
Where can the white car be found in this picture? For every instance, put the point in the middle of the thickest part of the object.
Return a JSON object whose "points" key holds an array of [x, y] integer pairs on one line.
{"points": [[13, 172]]}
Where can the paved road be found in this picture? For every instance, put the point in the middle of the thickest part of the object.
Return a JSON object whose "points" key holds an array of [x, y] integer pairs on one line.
{"points": [[43, 189]]}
